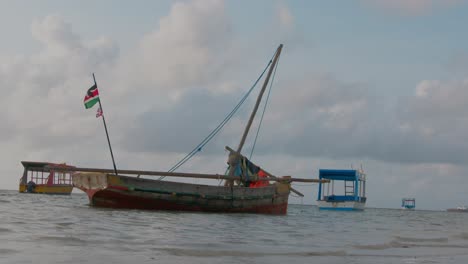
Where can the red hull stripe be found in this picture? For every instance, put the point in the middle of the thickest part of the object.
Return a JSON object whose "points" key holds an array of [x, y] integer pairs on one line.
{"points": [[114, 198], [121, 188]]}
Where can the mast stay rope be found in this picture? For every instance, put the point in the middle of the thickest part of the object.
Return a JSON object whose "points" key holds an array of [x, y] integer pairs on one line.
{"points": [[264, 108]]}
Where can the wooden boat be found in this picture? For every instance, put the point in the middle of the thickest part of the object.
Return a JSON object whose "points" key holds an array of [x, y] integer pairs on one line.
{"points": [[46, 177], [247, 187], [116, 191], [352, 198]]}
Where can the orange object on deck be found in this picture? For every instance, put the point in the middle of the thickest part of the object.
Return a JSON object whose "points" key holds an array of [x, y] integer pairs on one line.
{"points": [[257, 184]]}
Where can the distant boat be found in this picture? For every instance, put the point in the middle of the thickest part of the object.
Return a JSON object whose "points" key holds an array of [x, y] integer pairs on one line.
{"points": [[353, 197], [458, 209], [408, 203], [46, 178]]}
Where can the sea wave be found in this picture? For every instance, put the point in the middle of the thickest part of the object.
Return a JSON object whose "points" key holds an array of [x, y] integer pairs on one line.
{"points": [[5, 251], [463, 236], [65, 240], [232, 253], [416, 239], [5, 230], [398, 244]]}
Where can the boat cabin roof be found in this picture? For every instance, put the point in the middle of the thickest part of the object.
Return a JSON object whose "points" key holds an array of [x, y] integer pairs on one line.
{"points": [[341, 175], [39, 164]]}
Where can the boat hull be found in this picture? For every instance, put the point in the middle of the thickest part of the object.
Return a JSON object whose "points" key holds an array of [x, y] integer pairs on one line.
{"points": [[105, 190], [342, 206], [46, 189]]}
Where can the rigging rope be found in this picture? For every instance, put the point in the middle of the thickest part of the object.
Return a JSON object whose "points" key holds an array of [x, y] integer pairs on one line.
{"points": [[264, 108], [215, 131]]}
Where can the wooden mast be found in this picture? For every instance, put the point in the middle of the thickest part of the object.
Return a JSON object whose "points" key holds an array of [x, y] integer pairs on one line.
{"points": [[259, 98], [233, 160]]}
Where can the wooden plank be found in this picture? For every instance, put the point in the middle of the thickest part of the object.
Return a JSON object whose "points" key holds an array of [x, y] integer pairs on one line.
{"points": [[142, 172], [169, 174]]}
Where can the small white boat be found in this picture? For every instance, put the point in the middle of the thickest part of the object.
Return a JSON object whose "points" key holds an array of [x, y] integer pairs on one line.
{"points": [[458, 209]]}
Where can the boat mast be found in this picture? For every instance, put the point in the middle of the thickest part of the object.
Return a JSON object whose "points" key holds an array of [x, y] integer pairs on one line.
{"points": [[234, 160], [259, 99]]}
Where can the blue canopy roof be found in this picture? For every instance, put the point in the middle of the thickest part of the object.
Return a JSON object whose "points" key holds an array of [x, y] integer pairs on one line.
{"points": [[339, 175]]}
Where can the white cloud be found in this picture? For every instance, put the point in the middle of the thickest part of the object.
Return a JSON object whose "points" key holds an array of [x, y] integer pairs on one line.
{"points": [[423, 87], [285, 16], [437, 101], [43, 102], [56, 34], [188, 50]]}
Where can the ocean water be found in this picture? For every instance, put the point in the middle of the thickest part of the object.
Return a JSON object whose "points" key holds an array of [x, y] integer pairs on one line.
{"points": [[38, 228]]}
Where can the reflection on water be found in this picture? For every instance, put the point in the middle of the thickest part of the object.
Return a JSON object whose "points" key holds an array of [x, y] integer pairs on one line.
{"points": [[56, 229]]}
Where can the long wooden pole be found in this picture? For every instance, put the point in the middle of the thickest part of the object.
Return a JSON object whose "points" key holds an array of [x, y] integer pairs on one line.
{"points": [[105, 127], [165, 173]]}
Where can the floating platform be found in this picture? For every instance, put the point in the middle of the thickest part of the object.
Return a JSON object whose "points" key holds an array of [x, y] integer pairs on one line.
{"points": [[351, 198], [408, 203]]}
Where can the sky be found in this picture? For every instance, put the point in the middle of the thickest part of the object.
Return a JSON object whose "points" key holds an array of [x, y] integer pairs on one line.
{"points": [[380, 84]]}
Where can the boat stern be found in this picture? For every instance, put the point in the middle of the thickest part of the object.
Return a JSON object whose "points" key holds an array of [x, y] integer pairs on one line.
{"points": [[90, 182]]}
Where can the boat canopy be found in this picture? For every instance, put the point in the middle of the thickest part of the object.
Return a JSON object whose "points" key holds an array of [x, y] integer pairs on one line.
{"points": [[354, 189], [340, 175], [36, 164]]}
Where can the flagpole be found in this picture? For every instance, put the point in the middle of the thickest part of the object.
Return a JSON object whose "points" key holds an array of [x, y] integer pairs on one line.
{"points": [[105, 127]]}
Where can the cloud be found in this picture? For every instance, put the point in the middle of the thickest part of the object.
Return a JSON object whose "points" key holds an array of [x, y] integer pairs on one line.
{"points": [[317, 115], [180, 72], [56, 34], [185, 124], [188, 50], [320, 116], [285, 16], [412, 7], [42, 105], [435, 120]]}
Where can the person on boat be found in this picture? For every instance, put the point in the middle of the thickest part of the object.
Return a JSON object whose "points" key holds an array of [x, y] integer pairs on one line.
{"points": [[31, 187], [256, 184]]}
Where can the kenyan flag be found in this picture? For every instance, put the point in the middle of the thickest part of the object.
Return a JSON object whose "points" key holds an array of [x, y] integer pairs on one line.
{"points": [[92, 97]]}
